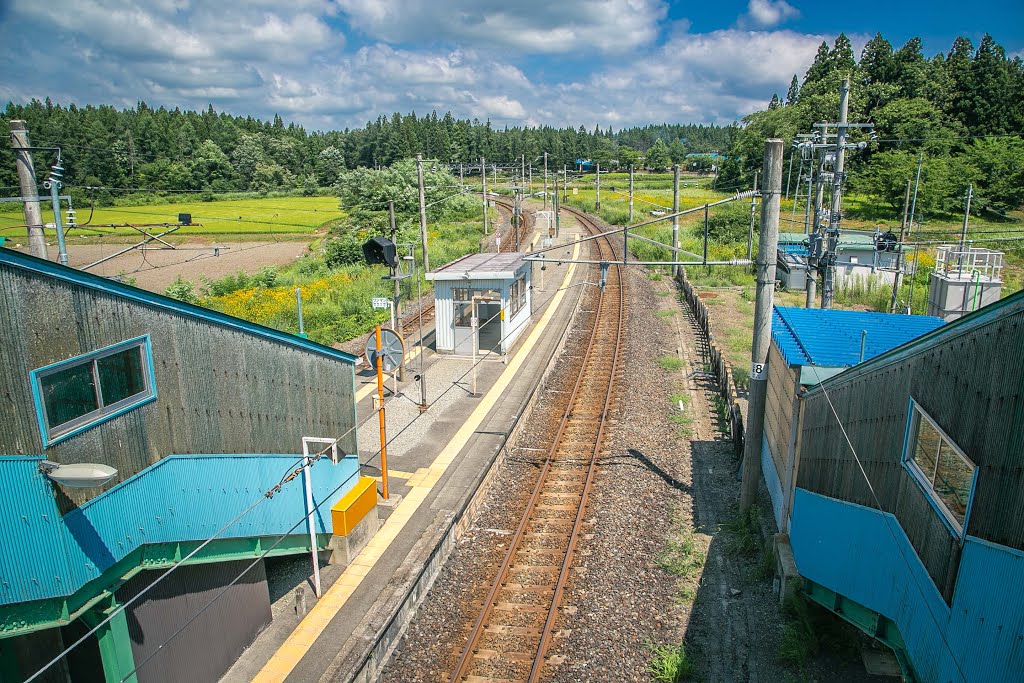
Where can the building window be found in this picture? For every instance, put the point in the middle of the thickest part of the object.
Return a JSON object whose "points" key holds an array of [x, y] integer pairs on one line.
{"points": [[945, 473], [79, 393], [517, 295]]}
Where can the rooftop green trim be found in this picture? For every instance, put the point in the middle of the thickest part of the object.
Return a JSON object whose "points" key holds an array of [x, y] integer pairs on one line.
{"points": [[28, 617]]}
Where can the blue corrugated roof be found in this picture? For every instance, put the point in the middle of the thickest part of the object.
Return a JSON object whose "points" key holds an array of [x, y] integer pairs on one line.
{"points": [[831, 338]]}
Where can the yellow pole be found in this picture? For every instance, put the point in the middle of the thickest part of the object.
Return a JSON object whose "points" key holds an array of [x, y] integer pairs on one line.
{"points": [[383, 432]]}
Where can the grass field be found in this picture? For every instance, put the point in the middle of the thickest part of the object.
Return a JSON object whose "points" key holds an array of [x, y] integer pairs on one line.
{"points": [[245, 218]]}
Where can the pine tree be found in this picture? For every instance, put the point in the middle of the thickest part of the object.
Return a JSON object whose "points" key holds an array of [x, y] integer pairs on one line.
{"points": [[793, 94]]}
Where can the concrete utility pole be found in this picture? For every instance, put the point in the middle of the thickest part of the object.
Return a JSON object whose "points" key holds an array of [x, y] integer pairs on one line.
{"points": [[675, 218], [522, 174], [631, 193], [828, 281], [967, 215], [765, 274], [462, 181], [597, 199], [899, 254], [546, 181], [400, 372], [565, 182], [555, 198], [27, 181], [423, 212], [483, 190], [812, 271]]}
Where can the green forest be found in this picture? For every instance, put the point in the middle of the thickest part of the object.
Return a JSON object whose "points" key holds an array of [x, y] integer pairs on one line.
{"points": [[963, 110], [161, 150]]}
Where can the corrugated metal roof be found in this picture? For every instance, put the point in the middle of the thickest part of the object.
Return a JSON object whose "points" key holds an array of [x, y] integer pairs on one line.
{"points": [[181, 498], [486, 265], [831, 338]]}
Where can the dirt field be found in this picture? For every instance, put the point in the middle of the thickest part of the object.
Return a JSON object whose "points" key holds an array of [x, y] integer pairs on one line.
{"points": [[154, 269]]}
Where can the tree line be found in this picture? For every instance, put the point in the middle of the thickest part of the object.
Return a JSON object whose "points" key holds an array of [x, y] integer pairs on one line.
{"points": [[174, 150], [963, 110]]}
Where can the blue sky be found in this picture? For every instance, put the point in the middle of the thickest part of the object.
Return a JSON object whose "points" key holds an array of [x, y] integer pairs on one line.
{"points": [[339, 63]]}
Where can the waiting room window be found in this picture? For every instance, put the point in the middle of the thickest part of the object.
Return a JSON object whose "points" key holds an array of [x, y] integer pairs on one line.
{"points": [[79, 393], [945, 473]]}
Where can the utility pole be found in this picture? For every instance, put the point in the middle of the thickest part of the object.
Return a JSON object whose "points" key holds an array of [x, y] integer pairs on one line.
{"points": [[789, 179], [29, 189], [565, 182], [631, 193], [765, 274], [753, 210], [53, 184], [899, 253], [400, 372], [597, 199], [462, 181], [423, 213], [967, 215], [813, 265], [555, 198], [963, 233], [522, 174], [483, 191], [546, 181], [838, 177], [828, 280], [675, 218]]}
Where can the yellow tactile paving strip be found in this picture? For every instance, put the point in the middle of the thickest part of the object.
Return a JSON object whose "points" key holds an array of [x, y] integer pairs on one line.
{"points": [[287, 657]]}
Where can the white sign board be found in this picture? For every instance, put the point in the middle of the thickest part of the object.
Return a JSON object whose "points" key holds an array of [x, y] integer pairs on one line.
{"points": [[380, 302], [759, 370]]}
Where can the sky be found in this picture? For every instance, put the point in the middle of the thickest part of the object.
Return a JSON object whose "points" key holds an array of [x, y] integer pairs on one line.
{"points": [[335, 64]]}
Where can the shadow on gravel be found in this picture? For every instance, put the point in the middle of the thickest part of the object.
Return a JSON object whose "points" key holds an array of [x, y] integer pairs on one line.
{"points": [[635, 458]]}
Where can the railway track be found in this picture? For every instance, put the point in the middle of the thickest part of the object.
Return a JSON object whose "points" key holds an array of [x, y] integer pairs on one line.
{"points": [[510, 637]]}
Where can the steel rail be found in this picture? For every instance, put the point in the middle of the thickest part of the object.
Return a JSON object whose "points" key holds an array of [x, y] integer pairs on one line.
{"points": [[516, 545]]}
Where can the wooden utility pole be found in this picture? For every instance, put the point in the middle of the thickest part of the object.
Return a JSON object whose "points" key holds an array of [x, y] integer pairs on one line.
{"points": [[29, 189], [400, 372], [675, 219], [423, 212], [899, 253], [765, 274]]}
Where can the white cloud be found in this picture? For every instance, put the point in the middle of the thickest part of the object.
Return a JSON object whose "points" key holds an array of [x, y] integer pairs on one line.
{"points": [[292, 59], [767, 13], [536, 26]]}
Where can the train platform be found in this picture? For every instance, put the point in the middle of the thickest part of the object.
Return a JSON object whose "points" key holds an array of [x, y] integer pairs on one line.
{"points": [[436, 461]]}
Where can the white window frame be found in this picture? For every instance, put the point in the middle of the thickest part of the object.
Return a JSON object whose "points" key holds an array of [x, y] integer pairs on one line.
{"points": [[925, 481]]}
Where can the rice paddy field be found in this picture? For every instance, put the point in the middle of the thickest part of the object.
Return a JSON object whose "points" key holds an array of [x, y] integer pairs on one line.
{"points": [[247, 219]]}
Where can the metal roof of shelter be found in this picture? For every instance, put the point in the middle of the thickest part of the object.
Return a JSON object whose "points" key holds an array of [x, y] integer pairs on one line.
{"points": [[486, 266], [831, 338]]}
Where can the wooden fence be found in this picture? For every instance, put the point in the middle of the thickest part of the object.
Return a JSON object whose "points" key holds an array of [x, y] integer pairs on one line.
{"points": [[720, 368]]}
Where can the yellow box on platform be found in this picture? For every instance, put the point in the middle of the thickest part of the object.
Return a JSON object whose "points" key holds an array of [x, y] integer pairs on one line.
{"points": [[353, 506]]}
